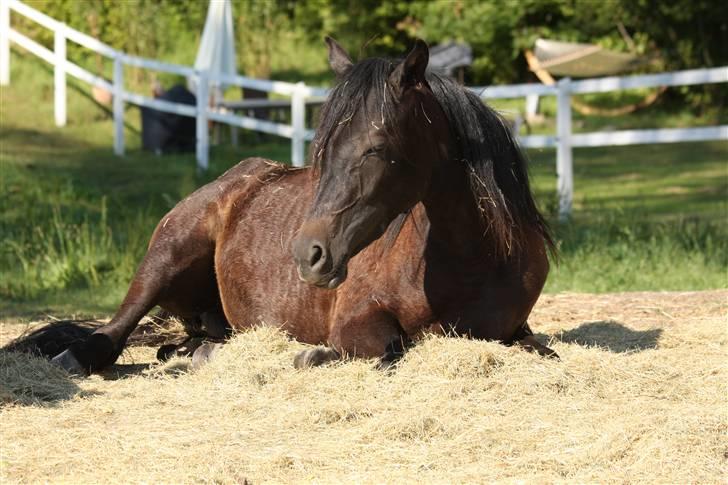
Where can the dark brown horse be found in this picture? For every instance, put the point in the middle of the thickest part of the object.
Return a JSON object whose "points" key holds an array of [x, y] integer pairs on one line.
{"points": [[416, 216]]}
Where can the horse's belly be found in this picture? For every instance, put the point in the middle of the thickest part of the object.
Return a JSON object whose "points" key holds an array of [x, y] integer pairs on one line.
{"points": [[256, 273]]}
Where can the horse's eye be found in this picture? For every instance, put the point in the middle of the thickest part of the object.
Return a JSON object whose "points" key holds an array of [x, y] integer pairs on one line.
{"points": [[372, 151]]}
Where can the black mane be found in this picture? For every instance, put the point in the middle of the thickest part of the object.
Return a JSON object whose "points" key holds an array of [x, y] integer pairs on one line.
{"points": [[483, 144]]}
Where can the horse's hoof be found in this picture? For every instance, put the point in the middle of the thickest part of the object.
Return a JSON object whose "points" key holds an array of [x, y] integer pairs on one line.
{"points": [[204, 353], [314, 357], [552, 355], [166, 352], [388, 364], [68, 362]]}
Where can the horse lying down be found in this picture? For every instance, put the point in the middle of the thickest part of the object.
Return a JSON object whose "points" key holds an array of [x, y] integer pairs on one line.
{"points": [[416, 215]]}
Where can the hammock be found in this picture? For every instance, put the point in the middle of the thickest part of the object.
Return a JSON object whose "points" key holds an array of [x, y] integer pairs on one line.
{"points": [[582, 60], [554, 58]]}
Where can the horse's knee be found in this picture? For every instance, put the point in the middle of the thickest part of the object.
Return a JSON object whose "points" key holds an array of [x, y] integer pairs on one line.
{"points": [[215, 325], [367, 337]]}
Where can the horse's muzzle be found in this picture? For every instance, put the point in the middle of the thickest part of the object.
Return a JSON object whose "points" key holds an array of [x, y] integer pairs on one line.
{"points": [[315, 263]]}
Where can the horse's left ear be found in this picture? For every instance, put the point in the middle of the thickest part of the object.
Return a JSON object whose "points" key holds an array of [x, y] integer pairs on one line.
{"points": [[339, 59], [411, 71]]}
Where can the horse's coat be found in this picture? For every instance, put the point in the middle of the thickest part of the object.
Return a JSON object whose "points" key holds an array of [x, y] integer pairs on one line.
{"points": [[466, 251]]}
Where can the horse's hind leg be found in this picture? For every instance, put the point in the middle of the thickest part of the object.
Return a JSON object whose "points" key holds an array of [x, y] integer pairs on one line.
{"points": [[208, 328], [177, 271]]}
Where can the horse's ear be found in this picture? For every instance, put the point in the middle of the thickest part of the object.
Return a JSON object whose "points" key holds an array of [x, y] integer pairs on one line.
{"points": [[339, 60], [411, 71]]}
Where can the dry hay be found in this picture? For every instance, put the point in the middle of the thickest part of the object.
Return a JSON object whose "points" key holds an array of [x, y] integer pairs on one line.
{"points": [[653, 408]]}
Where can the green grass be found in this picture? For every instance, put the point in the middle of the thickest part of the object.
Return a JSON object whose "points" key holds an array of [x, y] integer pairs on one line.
{"points": [[75, 220]]}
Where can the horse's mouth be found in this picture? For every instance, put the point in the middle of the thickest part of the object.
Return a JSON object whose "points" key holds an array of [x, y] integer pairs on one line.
{"points": [[338, 278], [331, 280]]}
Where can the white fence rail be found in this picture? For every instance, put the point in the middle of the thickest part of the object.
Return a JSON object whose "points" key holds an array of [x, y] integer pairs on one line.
{"points": [[564, 140]]}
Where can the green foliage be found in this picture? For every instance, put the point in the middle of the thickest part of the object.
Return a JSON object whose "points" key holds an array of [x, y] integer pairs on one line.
{"points": [[161, 29], [283, 39], [679, 34], [258, 23], [363, 27]]}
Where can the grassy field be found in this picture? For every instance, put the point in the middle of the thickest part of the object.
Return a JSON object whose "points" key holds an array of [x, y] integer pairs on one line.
{"points": [[75, 220]]}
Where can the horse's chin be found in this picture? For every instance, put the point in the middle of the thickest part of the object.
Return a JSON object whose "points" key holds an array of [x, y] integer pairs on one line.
{"points": [[330, 281], [337, 280]]}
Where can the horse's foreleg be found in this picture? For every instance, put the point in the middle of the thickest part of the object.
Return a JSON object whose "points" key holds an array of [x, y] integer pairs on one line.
{"points": [[373, 335], [525, 339]]}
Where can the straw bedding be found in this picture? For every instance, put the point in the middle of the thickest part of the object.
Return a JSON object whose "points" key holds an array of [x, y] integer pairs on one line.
{"points": [[639, 395]]}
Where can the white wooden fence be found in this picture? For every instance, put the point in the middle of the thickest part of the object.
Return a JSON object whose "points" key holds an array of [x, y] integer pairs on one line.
{"points": [[298, 93], [564, 140]]}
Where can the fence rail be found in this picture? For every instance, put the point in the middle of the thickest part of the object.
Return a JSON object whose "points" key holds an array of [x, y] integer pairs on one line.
{"points": [[564, 140]]}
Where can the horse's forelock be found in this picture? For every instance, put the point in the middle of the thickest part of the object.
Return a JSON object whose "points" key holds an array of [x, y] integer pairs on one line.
{"points": [[366, 81]]}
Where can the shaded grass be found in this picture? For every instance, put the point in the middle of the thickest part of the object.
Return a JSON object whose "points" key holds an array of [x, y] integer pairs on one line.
{"points": [[75, 219]]}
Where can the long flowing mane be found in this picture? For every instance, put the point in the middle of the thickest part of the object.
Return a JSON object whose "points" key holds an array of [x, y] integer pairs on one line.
{"points": [[483, 144]]}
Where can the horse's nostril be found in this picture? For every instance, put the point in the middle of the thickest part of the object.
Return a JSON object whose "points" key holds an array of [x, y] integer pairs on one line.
{"points": [[316, 256]]}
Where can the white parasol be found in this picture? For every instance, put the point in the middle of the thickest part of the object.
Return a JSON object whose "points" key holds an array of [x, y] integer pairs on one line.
{"points": [[217, 46]]}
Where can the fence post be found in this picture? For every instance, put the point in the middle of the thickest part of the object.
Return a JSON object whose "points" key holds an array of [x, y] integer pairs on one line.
{"points": [[118, 105], [4, 43], [203, 91], [298, 122], [564, 163], [59, 74]]}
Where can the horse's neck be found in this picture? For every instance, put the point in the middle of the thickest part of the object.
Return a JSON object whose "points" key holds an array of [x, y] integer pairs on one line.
{"points": [[456, 226]]}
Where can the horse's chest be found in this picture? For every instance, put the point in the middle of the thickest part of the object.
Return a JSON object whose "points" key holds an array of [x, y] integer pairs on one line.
{"points": [[468, 297]]}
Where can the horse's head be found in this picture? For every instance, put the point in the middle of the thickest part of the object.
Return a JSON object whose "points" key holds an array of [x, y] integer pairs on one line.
{"points": [[380, 137]]}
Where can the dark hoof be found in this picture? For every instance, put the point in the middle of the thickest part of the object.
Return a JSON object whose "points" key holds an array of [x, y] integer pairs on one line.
{"points": [[393, 353], [166, 352], [95, 353], [204, 353], [389, 360], [550, 354], [544, 352], [530, 344], [386, 365], [68, 362], [315, 357]]}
